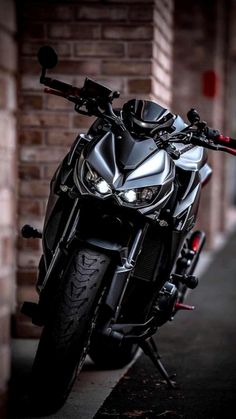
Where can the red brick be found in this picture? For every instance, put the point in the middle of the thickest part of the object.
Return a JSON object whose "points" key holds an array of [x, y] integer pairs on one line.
{"points": [[102, 12], [74, 31], [127, 68], [141, 13], [28, 172], [5, 328], [6, 288], [49, 170], [3, 90], [29, 207], [141, 32], [86, 67], [7, 17], [60, 137], [81, 121], [56, 102], [63, 49], [166, 29], [31, 137], [165, 11], [163, 76], [47, 11], [4, 363], [29, 244], [29, 82], [7, 250], [30, 65], [100, 49], [6, 200], [139, 86], [162, 60], [32, 30], [44, 119], [27, 102], [8, 57], [140, 49], [34, 189], [113, 83], [26, 277], [27, 293], [7, 167], [42, 154]]}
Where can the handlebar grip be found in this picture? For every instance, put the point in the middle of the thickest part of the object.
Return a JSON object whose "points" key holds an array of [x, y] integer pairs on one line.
{"points": [[233, 142], [225, 141], [60, 86]]}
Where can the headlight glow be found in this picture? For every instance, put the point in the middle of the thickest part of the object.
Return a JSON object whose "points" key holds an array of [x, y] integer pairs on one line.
{"points": [[139, 196], [129, 196], [135, 197], [102, 186], [96, 183]]}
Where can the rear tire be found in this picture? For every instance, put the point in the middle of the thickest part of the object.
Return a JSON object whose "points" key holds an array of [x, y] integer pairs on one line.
{"points": [[65, 337]]}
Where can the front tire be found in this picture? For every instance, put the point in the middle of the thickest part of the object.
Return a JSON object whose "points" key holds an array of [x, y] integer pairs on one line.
{"points": [[65, 337]]}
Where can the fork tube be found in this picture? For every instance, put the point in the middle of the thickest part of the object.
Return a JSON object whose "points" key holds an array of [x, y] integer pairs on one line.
{"points": [[122, 274]]}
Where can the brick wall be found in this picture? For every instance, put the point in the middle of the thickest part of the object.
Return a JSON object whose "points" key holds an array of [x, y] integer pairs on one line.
{"points": [[201, 46], [111, 42], [7, 187], [162, 52]]}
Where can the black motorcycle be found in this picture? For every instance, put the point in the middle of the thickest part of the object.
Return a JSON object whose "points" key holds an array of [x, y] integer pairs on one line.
{"points": [[119, 252]]}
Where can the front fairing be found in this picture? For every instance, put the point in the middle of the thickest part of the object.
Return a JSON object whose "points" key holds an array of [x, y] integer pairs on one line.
{"points": [[125, 167]]}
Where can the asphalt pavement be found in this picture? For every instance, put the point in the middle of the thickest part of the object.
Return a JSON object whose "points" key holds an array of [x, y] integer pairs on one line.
{"points": [[199, 346]]}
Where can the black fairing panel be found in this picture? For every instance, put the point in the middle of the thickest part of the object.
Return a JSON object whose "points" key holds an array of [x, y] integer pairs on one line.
{"points": [[59, 205], [111, 154]]}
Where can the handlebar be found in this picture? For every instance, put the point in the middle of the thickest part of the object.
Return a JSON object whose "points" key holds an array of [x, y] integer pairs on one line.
{"points": [[94, 96], [216, 141]]}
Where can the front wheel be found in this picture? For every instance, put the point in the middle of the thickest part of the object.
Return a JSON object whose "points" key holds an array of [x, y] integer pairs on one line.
{"points": [[65, 337]]}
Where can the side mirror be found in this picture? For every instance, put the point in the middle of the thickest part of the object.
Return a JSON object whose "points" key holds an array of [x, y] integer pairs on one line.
{"points": [[47, 57], [193, 116]]}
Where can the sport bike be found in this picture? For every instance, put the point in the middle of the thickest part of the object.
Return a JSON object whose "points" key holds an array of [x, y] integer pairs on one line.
{"points": [[119, 249]]}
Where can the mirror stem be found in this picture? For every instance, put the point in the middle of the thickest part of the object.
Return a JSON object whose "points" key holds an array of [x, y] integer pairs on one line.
{"points": [[43, 74]]}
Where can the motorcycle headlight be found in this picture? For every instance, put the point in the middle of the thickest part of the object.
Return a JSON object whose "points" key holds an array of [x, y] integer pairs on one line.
{"points": [[136, 197], [139, 196], [96, 183], [102, 186]]}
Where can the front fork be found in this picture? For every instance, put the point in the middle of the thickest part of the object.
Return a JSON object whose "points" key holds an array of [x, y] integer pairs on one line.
{"points": [[122, 274]]}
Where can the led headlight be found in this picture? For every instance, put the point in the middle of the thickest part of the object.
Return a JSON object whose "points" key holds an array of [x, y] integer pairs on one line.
{"points": [[97, 183], [102, 186], [139, 196], [135, 197], [129, 196]]}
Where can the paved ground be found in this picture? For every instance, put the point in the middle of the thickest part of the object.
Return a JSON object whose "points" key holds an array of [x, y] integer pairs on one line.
{"points": [[199, 346], [88, 393]]}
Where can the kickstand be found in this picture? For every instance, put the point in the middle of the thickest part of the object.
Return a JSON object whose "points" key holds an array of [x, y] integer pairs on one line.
{"points": [[150, 349]]}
